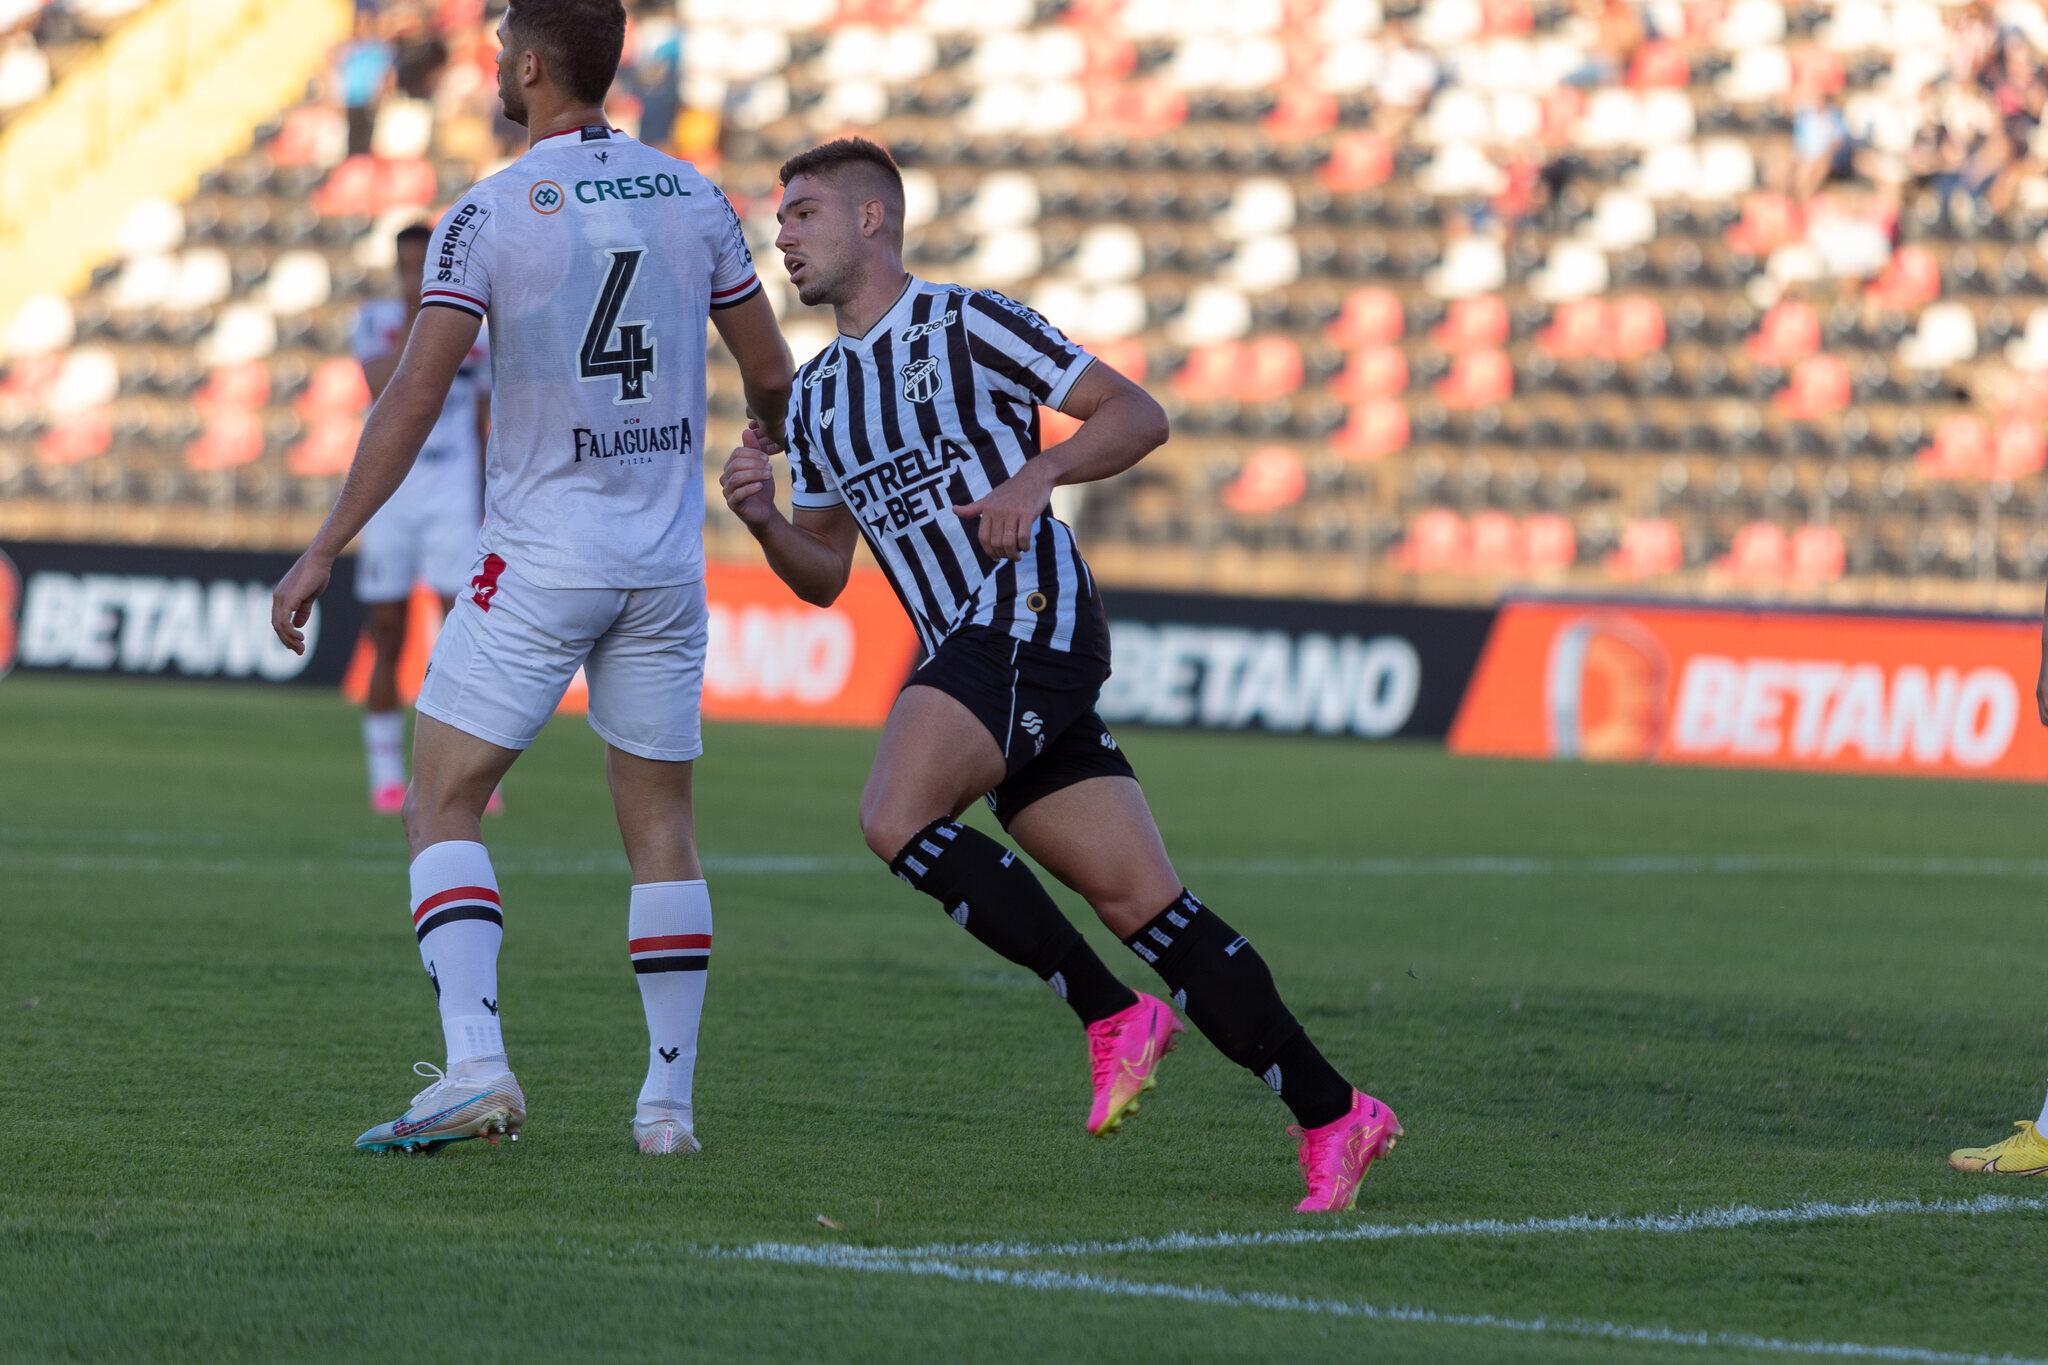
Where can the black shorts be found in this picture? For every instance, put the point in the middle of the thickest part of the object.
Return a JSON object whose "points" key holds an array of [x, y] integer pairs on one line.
{"points": [[1038, 703]]}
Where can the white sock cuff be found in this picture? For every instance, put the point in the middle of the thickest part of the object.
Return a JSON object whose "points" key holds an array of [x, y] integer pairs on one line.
{"points": [[384, 727], [452, 865], [663, 908]]}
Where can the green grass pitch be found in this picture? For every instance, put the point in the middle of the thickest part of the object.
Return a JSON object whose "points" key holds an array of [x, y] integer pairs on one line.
{"points": [[1606, 992]]}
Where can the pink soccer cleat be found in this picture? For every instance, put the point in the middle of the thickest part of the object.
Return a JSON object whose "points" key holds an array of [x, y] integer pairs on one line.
{"points": [[388, 799], [496, 805], [1334, 1156], [1123, 1055]]}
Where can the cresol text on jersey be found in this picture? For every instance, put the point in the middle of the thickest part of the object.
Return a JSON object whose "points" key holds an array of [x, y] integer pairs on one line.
{"points": [[673, 438]]}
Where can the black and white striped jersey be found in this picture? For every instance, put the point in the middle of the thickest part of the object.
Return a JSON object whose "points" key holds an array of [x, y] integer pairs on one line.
{"points": [[931, 409]]}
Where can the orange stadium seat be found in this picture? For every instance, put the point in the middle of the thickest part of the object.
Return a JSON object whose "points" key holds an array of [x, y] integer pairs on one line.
{"points": [[1495, 544], [1372, 316], [1438, 542], [1650, 548], [337, 389], [1910, 281], [1373, 430], [1961, 448], [1272, 478], [326, 449], [75, 439], [231, 438], [1549, 544], [1636, 328], [1377, 372], [1578, 329], [1761, 554], [1789, 333], [1817, 555], [244, 387], [1482, 379], [1820, 387], [2019, 449], [1478, 323]]}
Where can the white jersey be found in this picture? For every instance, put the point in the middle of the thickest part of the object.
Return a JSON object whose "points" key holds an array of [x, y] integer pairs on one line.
{"points": [[448, 477], [598, 261]]}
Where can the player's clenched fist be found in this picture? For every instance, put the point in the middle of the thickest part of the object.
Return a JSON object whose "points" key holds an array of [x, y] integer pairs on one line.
{"points": [[291, 603], [748, 481]]}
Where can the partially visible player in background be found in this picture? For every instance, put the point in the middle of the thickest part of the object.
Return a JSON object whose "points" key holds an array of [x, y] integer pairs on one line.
{"points": [[2026, 1151], [427, 532], [918, 428], [601, 264]]}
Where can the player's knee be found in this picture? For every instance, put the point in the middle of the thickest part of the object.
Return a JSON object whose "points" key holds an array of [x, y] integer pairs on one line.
{"points": [[886, 832]]}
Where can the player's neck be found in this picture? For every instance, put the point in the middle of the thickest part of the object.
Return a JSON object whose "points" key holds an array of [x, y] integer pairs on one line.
{"points": [[875, 297], [577, 116]]}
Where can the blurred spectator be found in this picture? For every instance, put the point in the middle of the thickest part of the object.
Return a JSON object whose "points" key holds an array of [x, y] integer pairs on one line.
{"points": [[653, 73], [1408, 78], [418, 56], [362, 77]]}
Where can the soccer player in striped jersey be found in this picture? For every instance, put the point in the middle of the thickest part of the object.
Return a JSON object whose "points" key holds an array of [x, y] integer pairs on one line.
{"points": [[600, 263], [918, 430]]}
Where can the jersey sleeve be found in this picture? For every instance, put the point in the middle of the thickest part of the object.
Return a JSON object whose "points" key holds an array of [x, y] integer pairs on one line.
{"points": [[809, 483], [459, 258], [1022, 352], [368, 339], [732, 265]]}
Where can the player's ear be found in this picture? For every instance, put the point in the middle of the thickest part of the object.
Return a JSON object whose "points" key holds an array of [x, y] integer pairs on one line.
{"points": [[873, 217]]}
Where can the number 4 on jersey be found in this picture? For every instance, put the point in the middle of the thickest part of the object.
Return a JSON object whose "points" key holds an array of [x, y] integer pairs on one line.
{"points": [[631, 359]]}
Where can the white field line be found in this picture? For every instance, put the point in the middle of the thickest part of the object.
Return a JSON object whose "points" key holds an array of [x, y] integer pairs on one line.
{"points": [[74, 851], [1705, 1220], [1053, 1282]]}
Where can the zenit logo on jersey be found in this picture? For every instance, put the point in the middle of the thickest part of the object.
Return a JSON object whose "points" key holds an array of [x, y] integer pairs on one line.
{"points": [[925, 329]]}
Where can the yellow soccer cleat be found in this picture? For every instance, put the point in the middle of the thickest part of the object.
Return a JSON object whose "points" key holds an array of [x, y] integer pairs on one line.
{"points": [[2024, 1153]]}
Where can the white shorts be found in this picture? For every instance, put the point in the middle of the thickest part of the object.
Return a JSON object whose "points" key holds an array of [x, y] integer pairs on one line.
{"points": [[413, 543], [509, 650]]}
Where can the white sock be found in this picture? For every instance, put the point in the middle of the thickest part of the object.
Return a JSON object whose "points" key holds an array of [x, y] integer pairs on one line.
{"points": [[2041, 1124], [384, 747], [669, 939], [460, 923]]}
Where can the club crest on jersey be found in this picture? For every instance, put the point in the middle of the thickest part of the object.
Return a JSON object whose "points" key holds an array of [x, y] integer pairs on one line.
{"points": [[922, 380]]}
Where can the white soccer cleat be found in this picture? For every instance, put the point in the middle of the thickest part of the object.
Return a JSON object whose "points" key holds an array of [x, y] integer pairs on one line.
{"points": [[665, 1137], [452, 1109]]}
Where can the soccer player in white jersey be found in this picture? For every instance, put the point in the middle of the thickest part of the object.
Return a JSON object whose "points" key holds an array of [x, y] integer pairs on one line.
{"points": [[918, 429], [598, 262], [427, 532], [2026, 1151]]}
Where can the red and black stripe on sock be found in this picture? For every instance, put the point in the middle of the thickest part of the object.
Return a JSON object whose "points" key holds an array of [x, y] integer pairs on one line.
{"points": [[991, 894], [1224, 987]]}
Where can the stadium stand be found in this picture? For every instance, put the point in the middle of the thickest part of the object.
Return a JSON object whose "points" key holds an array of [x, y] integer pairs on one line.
{"points": [[1726, 297]]}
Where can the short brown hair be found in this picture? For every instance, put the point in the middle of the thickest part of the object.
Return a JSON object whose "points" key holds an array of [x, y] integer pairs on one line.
{"points": [[851, 152], [581, 40]]}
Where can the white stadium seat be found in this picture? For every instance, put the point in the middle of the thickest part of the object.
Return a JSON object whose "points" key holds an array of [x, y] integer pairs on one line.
{"points": [[204, 279], [1214, 312], [41, 325], [152, 227], [1947, 336], [90, 378], [1575, 270], [1003, 200], [1110, 253], [1265, 264], [299, 282], [1004, 258], [1260, 206], [1471, 265], [243, 332]]}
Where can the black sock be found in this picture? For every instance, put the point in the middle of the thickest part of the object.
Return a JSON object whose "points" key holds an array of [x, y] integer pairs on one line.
{"points": [[991, 894], [1219, 980]]}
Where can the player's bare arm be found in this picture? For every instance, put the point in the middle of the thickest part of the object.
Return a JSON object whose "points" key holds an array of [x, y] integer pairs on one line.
{"points": [[1120, 425], [812, 552], [751, 334], [398, 425]]}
